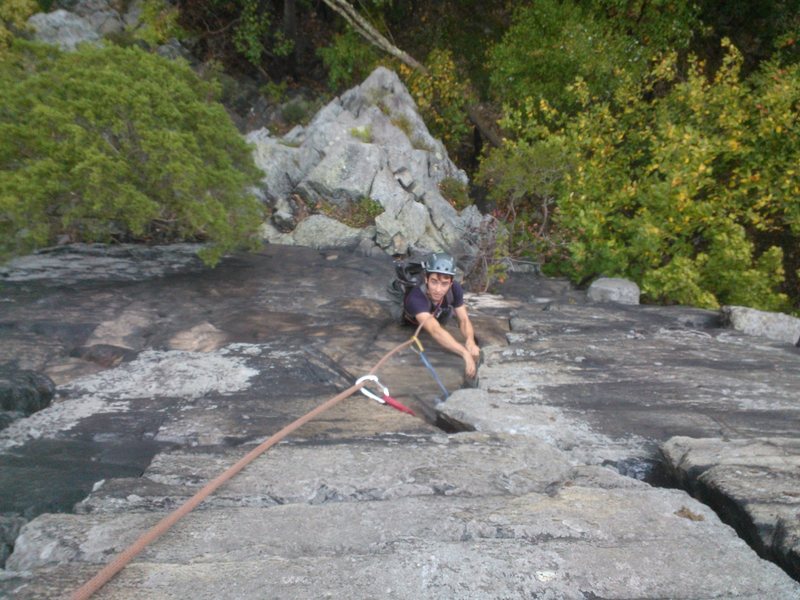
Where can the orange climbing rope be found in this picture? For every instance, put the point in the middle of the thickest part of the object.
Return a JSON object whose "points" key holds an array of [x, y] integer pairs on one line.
{"points": [[124, 557]]}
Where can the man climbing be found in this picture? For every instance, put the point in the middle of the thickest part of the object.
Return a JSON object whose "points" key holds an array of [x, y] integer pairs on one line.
{"points": [[434, 301]]}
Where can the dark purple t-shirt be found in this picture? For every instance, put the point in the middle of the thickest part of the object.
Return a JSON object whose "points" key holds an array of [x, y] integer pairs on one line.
{"points": [[417, 302]]}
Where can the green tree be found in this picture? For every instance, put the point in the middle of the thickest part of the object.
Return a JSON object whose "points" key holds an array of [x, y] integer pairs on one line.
{"points": [[111, 143], [349, 59], [522, 182], [442, 94], [762, 30], [226, 29], [691, 192], [657, 24], [13, 15], [549, 44]]}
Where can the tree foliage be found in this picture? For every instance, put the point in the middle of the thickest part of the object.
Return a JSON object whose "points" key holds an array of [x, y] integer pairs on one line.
{"points": [[159, 22], [13, 15], [692, 192], [245, 29], [442, 96], [656, 24], [549, 44], [761, 30], [349, 59], [522, 180], [637, 144], [111, 143]]}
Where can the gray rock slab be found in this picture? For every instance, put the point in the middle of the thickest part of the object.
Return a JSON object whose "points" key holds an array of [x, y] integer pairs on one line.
{"points": [[369, 501], [640, 371], [121, 262], [344, 174], [381, 468], [319, 231], [754, 484], [104, 18], [607, 384], [565, 430], [576, 542], [279, 161], [307, 322]]}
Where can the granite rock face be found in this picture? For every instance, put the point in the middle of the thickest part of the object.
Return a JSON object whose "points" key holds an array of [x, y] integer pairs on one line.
{"points": [[467, 515], [97, 262], [369, 143], [538, 490], [85, 21], [606, 384], [63, 29], [753, 483]]}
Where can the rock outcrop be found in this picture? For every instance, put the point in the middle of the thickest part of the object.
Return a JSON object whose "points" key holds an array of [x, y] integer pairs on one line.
{"points": [[369, 143], [85, 21], [604, 383], [22, 393], [469, 516], [63, 29], [121, 262]]}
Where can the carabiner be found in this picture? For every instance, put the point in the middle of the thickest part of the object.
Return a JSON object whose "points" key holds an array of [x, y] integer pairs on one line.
{"points": [[368, 393], [387, 399]]}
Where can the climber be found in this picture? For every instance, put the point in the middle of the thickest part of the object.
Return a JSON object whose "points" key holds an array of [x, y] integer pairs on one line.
{"points": [[434, 301]]}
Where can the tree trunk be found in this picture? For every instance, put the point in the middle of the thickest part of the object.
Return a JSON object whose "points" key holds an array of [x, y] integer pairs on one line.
{"points": [[372, 35]]}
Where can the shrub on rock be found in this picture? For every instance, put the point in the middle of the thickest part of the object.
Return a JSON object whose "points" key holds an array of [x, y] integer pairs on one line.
{"points": [[115, 143]]}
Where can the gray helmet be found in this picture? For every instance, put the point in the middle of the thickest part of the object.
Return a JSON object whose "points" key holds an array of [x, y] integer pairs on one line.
{"points": [[440, 262]]}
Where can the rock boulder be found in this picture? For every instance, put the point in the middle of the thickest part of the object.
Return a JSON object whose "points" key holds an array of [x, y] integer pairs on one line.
{"points": [[771, 325], [614, 289], [63, 29], [22, 393], [368, 143]]}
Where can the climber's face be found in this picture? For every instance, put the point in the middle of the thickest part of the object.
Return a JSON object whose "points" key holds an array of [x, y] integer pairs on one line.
{"points": [[437, 285]]}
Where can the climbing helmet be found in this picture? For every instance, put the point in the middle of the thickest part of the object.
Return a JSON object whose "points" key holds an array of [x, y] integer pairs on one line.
{"points": [[440, 262]]}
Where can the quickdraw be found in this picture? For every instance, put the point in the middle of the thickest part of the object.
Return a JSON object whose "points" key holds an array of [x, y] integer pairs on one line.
{"points": [[386, 398], [427, 363]]}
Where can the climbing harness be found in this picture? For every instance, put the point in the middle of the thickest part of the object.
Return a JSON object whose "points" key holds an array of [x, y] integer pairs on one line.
{"points": [[427, 363], [386, 398], [160, 528]]}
